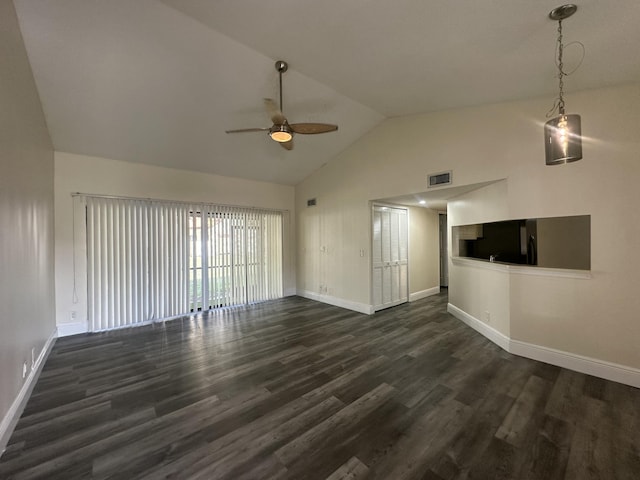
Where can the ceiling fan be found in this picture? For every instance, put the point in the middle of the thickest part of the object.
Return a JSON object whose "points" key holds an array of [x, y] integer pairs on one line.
{"points": [[282, 131]]}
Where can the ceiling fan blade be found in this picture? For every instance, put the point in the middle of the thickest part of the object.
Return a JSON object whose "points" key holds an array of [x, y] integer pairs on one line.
{"points": [[287, 145], [241, 130], [276, 116], [313, 128]]}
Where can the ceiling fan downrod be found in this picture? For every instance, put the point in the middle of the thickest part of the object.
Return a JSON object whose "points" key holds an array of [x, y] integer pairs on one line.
{"points": [[281, 67]]}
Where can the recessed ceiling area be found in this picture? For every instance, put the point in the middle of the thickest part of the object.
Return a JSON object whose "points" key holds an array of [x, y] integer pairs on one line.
{"points": [[436, 198], [159, 81]]}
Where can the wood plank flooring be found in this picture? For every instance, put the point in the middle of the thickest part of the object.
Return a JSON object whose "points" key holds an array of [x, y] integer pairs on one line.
{"points": [[295, 389]]}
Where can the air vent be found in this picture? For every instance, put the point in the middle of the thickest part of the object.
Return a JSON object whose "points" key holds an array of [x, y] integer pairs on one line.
{"points": [[311, 202], [438, 179]]}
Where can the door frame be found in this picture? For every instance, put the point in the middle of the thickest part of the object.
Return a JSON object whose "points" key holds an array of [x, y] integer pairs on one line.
{"points": [[443, 240]]}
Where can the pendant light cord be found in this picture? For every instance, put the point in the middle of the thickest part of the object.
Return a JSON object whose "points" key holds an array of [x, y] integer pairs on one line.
{"points": [[558, 105], [561, 73]]}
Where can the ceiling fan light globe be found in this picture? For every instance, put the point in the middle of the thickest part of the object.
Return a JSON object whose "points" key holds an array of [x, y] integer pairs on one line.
{"points": [[281, 133], [281, 136]]}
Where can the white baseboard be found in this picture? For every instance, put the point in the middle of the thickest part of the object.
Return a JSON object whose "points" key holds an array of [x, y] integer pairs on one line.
{"points": [[423, 294], [66, 329], [491, 333], [590, 366], [17, 407], [338, 302]]}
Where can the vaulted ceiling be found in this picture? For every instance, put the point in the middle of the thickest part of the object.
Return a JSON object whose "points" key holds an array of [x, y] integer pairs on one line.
{"points": [[159, 81]]}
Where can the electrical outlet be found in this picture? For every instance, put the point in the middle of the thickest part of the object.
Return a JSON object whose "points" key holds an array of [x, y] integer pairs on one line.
{"points": [[24, 369], [73, 314]]}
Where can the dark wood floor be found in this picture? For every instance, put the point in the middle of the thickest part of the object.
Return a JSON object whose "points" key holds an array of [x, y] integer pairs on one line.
{"points": [[301, 390]]}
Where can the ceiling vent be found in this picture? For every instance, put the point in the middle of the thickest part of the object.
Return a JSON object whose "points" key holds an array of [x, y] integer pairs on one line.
{"points": [[438, 179]]}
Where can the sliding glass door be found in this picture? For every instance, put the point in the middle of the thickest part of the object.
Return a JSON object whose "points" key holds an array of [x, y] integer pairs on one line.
{"points": [[235, 257], [150, 260]]}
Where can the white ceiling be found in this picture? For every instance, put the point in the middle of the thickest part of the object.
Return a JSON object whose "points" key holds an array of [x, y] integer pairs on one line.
{"points": [[159, 81]]}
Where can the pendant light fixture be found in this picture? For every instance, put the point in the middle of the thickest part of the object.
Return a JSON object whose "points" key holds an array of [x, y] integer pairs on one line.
{"points": [[562, 134]]}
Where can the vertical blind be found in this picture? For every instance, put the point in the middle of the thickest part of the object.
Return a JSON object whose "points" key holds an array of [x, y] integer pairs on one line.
{"points": [[150, 260], [235, 256]]}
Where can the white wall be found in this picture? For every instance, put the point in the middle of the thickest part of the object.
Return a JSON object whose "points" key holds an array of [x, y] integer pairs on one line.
{"points": [[478, 290], [85, 174], [596, 317], [326, 236], [26, 223]]}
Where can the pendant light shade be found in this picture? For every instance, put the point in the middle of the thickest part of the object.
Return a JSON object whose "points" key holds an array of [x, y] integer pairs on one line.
{"points": [[563, 133], [563, 139]]}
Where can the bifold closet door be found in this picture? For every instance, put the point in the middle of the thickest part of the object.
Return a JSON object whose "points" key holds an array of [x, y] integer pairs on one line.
{"points": [[390, 256]]}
